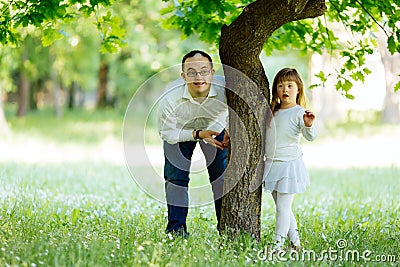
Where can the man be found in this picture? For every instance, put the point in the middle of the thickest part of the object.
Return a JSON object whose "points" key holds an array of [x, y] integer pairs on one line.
{"points": [[192, 111]]}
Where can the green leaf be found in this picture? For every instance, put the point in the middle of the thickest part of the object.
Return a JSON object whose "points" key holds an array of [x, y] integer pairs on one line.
{"points": [[86, 10], [358, 76], [391, 45], [367, 71], [321, 76], [349, 96], [167, 10], [50, 35], [347, 86], [350, 65], [397, 87], [338, 85]]}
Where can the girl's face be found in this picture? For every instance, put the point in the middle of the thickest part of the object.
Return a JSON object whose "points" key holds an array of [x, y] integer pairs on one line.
{"points": [[287, 93]]}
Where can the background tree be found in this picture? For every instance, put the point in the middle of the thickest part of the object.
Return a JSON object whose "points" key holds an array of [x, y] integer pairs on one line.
{"points": [[275, 25], [7, 65], [77, 51], [391, 64], [19, 17]]}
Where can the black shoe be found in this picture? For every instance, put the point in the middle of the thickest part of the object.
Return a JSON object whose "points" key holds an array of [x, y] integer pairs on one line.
{"points": [[180, 233], [185, 235]]}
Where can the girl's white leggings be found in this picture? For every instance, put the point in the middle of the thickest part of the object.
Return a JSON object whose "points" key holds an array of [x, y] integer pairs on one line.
{"points": [[286, 225]]}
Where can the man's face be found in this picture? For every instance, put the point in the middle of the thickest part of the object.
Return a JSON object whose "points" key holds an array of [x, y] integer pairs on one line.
{"points": [[198, 74]]}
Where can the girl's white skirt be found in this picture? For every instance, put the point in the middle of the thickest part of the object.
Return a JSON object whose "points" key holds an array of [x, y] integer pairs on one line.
{"points": [[286, 176]]}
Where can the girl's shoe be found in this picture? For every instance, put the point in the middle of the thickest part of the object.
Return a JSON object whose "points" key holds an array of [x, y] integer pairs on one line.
{"points": [[292, 246]]}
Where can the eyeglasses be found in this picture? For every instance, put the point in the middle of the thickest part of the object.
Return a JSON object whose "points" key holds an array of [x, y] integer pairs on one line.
{"points": [[193, 73]]}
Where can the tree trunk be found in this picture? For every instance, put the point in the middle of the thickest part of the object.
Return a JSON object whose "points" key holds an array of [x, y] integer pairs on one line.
{"points": [[23, 87], [3, 122], [33, 103], [71, 96], [23, 94], [391, 103], [56, 93], [102, 90], [75, 97], [248, 97]]}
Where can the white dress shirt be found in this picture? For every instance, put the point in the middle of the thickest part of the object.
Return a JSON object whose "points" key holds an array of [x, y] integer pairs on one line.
{"points": [[179, 114]]}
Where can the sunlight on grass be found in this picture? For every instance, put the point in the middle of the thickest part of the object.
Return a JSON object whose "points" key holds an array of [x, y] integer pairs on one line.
{"points": [[71, 201], [62, 214]]}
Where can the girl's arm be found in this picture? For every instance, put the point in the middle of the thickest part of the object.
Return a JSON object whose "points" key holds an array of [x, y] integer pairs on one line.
{"points": [[307, 129]]}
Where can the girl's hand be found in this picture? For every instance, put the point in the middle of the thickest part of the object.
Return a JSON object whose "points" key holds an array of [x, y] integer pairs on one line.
{"points": [[308, 118]]}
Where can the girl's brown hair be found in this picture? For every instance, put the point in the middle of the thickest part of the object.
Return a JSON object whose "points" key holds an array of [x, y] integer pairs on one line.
{"points": [[284, 75]]}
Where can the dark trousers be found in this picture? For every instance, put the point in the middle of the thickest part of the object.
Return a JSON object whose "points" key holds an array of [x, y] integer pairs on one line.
{"points": [[176, 173]]}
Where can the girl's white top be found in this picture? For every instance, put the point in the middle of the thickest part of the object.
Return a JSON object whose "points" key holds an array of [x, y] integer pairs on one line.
{"points": [[283, 134]]}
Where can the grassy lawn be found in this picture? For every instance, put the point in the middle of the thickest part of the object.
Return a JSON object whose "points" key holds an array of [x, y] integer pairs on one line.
{"points": [[87, 212]]}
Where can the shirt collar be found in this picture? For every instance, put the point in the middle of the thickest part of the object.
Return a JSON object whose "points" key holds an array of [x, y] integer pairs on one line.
{"points": [[187, 95]]}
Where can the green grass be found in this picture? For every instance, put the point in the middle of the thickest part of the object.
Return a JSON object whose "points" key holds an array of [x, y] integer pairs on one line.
{"points": [[93, 214]]}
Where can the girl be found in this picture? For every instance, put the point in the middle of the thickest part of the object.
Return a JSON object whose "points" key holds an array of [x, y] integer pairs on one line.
{"points": [[287, 174]]}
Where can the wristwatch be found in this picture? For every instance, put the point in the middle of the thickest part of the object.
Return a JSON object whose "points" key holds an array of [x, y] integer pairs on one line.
{"points": [[198, 134]]}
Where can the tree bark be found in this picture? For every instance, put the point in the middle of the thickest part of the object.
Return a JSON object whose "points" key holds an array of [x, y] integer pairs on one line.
{"points": [[248, 97], [391, 103], [103, 79]]}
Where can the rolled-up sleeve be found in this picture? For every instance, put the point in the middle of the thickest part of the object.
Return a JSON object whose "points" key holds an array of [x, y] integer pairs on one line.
{"points": [[167, 125]]}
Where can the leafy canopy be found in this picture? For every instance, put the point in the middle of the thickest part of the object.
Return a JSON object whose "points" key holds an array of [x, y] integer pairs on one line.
{"points": [[18, 17], [361, 19]]}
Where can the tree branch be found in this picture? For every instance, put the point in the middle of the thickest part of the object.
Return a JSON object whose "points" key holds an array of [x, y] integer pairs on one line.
{"points": [[255, 25], [312, 9], [380, 26]]}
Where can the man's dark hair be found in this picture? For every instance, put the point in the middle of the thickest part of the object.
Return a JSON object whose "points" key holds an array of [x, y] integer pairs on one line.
{"points": [[193, 53]]}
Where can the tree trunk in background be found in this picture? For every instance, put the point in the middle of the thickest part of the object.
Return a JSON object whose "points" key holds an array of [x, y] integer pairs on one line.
{"points": [[56, 92], [33, 104], [23, 94], [71, 96], [23, 89], [391, 64], [75, 96], [248, 96], [103, 79], [3, 122]]}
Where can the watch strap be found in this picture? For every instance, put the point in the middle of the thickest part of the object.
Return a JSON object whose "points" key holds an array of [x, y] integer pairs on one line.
{"points": [[198, 134]]}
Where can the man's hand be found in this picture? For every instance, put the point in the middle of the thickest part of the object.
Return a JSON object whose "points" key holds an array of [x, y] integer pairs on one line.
{"points": [[308, 118], [208, 136], [225, 142]]}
